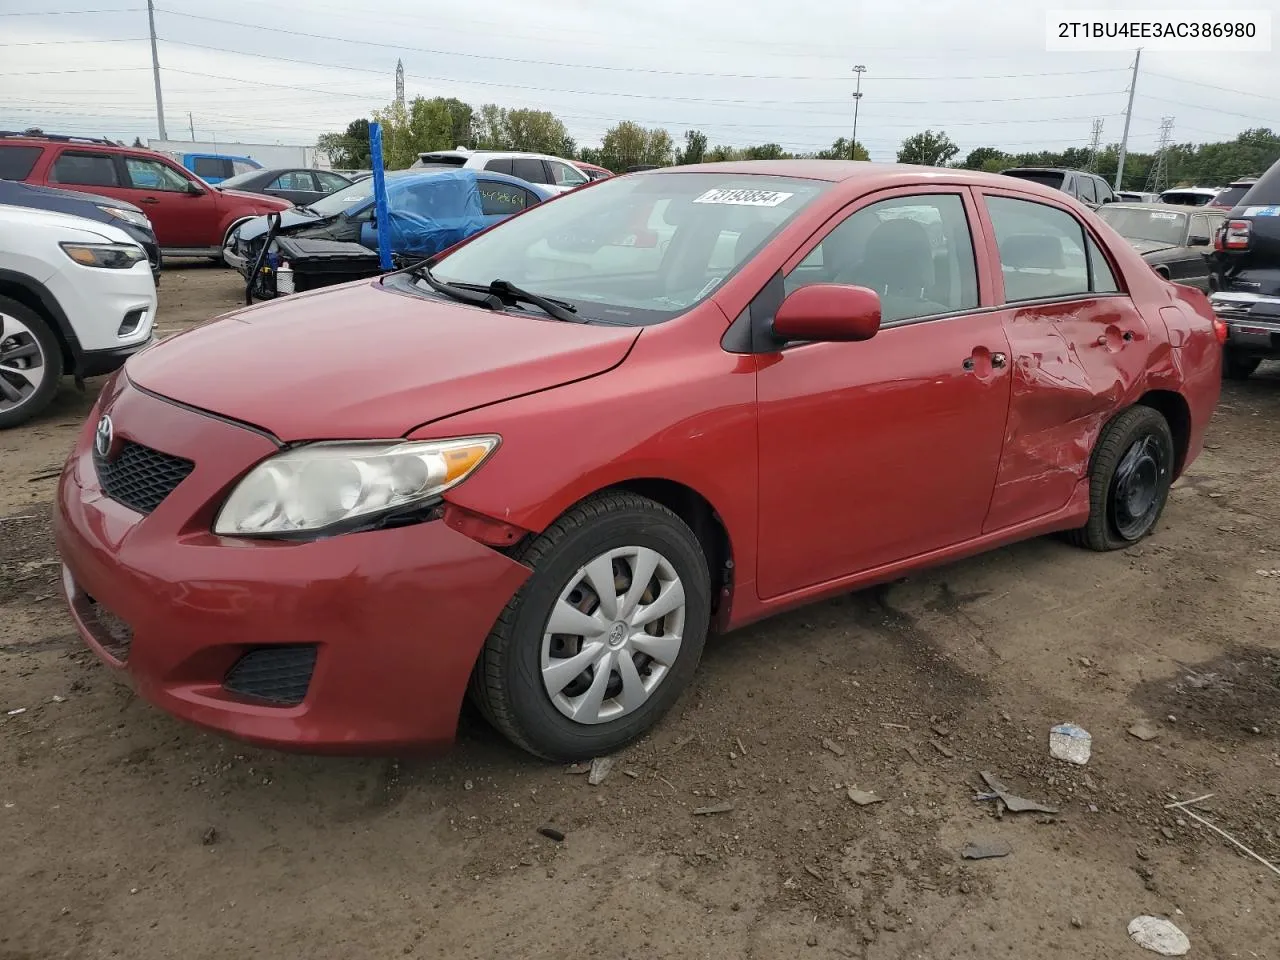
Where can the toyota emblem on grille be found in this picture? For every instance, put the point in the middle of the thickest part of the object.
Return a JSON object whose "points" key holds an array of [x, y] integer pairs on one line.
{"points": [[103, 436]]}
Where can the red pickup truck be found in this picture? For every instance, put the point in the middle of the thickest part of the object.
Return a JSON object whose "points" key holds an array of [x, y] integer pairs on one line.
{"points": [[190, 217]]}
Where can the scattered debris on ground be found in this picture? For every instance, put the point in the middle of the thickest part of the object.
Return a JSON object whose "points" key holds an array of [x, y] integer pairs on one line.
{"points": [[987, 850], [1159, 936], [1070, 743]]}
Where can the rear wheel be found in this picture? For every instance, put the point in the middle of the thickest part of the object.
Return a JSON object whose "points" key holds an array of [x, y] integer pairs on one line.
{"points": [[1129, 480], [1237, 367], [30, 363], [603, 637]]}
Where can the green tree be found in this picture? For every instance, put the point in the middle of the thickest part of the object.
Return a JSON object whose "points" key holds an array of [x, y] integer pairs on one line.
{"points": [[840, 150], [695, 147], [767, 151], [982, 158], [928, 149], [628, 145], [348, 150], [398, 143]]}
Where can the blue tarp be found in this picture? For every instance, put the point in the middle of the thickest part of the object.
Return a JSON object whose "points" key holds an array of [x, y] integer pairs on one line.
{"points": [[430, 213]]}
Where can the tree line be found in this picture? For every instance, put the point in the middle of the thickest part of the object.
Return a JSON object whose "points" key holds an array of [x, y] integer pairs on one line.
{"points": [[426, 124]]}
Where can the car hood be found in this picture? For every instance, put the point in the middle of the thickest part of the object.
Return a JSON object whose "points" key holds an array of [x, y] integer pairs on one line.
{"points": [[258, 198], [1151, 246], [360, 361], [257, 227]]}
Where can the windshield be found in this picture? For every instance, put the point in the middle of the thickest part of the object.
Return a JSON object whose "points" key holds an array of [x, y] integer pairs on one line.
{"points": [[636, 249], [357, 193], [1046, 178], [1231, 196], [1160, 226]]}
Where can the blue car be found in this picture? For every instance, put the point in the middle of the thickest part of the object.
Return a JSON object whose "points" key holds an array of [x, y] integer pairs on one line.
{"points": [[429, 211]]}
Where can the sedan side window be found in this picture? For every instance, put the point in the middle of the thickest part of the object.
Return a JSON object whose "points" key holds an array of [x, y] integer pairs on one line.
{"points": [[293, 180], [916, 252], [1042, 250]]}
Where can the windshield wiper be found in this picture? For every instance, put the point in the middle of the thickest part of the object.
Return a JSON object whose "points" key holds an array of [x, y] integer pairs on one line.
{"points": [[452, 290], [509, 293]]}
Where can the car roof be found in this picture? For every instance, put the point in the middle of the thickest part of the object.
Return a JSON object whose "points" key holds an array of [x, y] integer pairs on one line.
{"points": [[866, 173]]}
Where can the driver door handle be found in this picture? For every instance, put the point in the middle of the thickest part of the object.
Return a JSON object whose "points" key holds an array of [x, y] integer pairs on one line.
{"points": [[150, 200]]}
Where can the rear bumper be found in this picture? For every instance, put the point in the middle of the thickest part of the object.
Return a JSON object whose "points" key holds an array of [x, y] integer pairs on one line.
{"points": [[395, 618], [1253, 322]]}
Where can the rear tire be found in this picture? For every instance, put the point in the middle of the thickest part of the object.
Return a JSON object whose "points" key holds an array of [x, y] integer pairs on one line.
{"points": [[1237, 367], [1129, 480], [30, 363], [608, 674]]}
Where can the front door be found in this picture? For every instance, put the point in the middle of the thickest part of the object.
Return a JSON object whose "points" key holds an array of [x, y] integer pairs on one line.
{"points": [[879, 451], [1078, 344], [181, 218]]}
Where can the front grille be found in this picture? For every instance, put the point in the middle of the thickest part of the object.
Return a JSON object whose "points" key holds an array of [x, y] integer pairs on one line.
{"points": [[279, 675], [140, 477], [115, 636]]}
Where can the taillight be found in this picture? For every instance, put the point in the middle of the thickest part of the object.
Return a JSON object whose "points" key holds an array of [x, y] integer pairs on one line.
{"points": [[1235, 236], [1220, 331]]}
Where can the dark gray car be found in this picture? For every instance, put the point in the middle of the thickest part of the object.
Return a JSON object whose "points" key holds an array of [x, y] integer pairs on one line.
{"points": [[299, 185], [1175, 240]]}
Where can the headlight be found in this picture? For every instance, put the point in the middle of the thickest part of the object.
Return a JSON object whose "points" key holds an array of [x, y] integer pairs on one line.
{"points": [[137, 218], [323, 485], [113, 256]]}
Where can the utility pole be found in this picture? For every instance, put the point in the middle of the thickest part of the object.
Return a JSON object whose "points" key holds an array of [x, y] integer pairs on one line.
{"points": [[857, 98], [1128, 115], [1095, 143], [192, 124], [1157, 179], [155, 69]]}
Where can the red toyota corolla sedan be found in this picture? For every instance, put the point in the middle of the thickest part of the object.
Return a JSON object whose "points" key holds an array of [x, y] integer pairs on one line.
{"points": [[541, 467]]}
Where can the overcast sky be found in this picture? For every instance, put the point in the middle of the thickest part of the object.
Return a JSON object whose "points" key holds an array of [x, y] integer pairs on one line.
{"points": [[747, 71]]}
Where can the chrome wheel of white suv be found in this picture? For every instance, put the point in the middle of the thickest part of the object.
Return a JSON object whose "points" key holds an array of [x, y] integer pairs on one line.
{"points": [[30, 364]]}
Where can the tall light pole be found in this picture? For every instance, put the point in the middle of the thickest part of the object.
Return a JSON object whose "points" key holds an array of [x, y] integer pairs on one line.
{"points": [[1128, 115], [857, 97], [155, 69]]}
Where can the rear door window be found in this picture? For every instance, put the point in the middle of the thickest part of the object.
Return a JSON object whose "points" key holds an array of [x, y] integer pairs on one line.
{"points": [[86, 169], [16, 163], [502, 165], [293, 180], [501, 199], [529, 169], [1042, 250]]}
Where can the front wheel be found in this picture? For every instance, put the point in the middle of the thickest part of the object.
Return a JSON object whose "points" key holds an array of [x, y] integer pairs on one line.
{"points": [[1237, 367], [1129, 480], [603, 637], [30, 363]]}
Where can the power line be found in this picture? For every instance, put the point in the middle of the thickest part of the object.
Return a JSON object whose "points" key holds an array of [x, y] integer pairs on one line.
{"points": [[1210, 86], [1226, 113], [46, 73], [68, 13], [61, 43], [589, 66]]}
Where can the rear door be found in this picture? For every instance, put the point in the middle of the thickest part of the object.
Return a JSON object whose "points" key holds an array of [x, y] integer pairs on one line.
{"points": [[1078, 344], [880, 451], [182, 219]]}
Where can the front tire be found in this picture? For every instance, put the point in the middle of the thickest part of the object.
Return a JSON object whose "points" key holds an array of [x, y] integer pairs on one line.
{"points": [[604, 636], [1129, 480], [1237, 367], [30, 363]]}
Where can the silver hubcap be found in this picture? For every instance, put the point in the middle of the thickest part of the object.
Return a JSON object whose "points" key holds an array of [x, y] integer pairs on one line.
{"points": [[22, 363], [614, 633]]}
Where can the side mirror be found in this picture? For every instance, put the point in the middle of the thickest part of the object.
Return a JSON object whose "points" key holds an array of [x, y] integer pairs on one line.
{"points": [[194, 189], [828, 312], [1197, 241]]}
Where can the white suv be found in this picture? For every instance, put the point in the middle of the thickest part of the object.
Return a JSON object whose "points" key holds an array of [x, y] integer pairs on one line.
{"points": [[560, 175], [76, 297]]}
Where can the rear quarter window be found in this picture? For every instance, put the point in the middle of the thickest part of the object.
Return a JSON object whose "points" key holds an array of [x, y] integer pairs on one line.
{"points": [[16, 163]]}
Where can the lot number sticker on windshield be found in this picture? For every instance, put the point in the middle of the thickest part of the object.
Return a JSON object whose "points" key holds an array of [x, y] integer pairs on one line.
{"points": [[744, 198], [1165, 216]]}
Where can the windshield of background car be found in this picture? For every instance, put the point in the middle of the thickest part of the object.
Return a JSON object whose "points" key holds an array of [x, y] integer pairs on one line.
{"points": [[638, 249], [352, 196], [1045, 178], [1231, 196], [1160, 226]]}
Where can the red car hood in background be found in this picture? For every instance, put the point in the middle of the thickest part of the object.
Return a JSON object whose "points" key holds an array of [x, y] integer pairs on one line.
{"points": [[361, 362]]}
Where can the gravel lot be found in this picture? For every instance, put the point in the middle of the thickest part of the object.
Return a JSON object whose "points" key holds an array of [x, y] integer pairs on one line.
{"points": [[125, 833]]}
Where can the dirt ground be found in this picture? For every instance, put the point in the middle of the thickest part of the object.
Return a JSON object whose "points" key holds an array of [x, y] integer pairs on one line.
{"points": [[124, 833]]}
